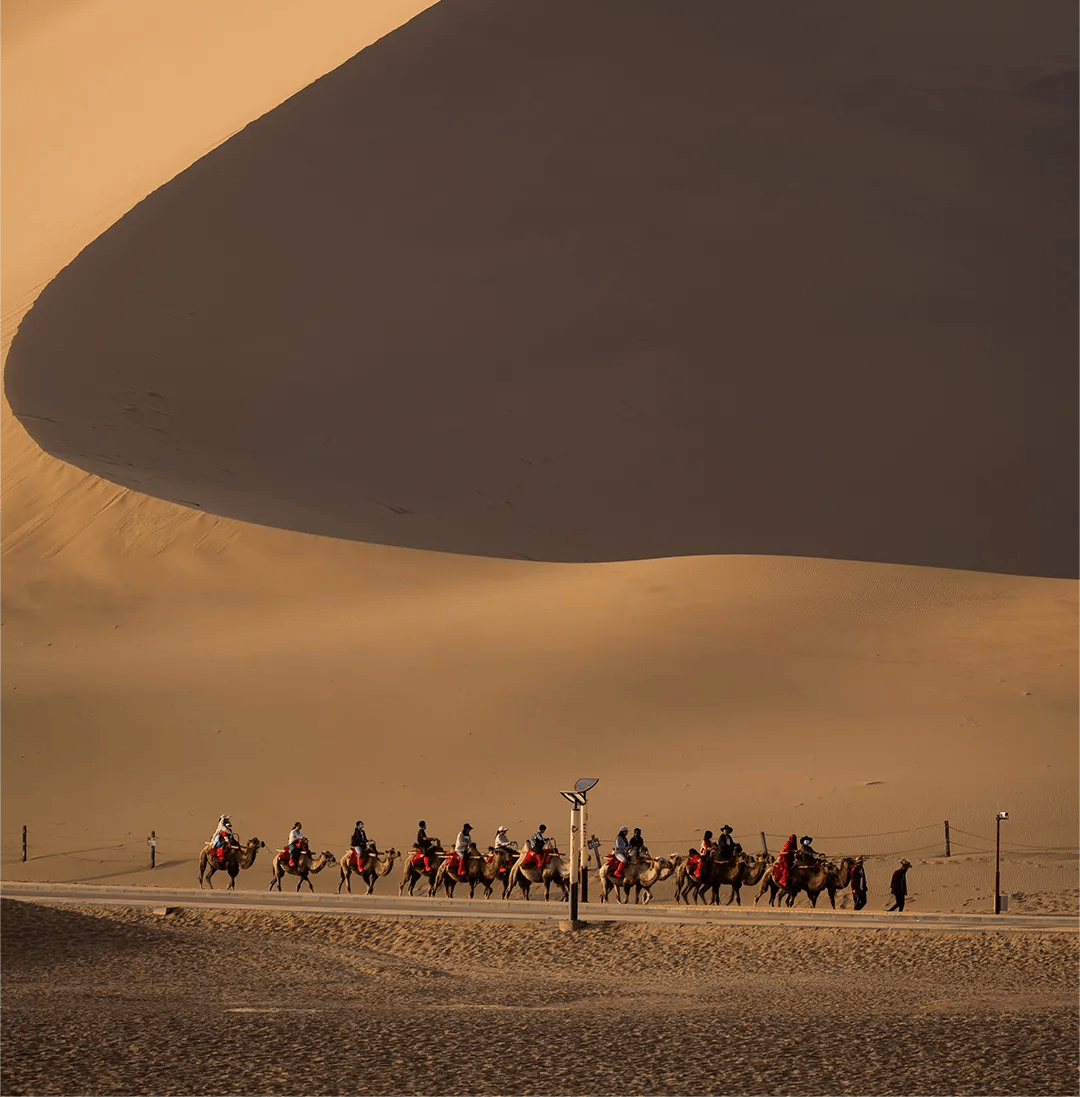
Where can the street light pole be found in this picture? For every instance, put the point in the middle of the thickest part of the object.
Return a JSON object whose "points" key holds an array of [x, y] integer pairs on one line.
{"points": [[577, 801]]}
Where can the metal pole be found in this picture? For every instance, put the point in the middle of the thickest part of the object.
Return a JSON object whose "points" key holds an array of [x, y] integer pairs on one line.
{"points": [[153, 842], [24, 842], [574, 844], [764, 844], [997, 870], [948, 848], [582, 855]]}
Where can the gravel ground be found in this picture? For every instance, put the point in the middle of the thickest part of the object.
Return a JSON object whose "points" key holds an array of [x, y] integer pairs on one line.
{"points": [[114, 1001]]}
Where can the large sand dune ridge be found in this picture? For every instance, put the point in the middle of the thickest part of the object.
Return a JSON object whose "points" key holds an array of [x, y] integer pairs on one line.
{"points": [[163, 664]]}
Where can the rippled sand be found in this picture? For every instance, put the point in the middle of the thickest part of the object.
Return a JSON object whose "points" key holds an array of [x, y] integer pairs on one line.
{"points": [[108, 1001]]}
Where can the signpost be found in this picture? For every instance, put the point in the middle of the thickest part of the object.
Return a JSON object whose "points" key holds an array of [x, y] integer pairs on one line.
{"points": [[577, 800]]}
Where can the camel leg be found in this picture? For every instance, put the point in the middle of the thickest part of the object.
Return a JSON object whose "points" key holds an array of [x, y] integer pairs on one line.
{"points": [[232, 882], [371, 885], [344, 880]]}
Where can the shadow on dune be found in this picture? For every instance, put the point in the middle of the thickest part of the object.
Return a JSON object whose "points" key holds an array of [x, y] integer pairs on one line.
{"points": [[579, 282]]}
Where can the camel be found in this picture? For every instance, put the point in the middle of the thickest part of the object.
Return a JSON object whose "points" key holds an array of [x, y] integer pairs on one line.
{"points": [[717, 874], [306, 865], [556, 871], [639, 874], [813, 879], [236, 858], [411, 873], [375, 865], [481, 871]]}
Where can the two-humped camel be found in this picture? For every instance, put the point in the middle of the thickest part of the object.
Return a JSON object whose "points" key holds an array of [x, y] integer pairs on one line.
{"points": [[481, 870], [305, 865], [234, 858], [375, 865], [412, 872], [821, 876], [640, 874], [717, 874], [556, 871]]}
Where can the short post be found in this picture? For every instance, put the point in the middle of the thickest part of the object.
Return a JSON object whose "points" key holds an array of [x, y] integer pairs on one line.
{"points": [[152, 843], [764, 844], [948, 849], [24, 842]]}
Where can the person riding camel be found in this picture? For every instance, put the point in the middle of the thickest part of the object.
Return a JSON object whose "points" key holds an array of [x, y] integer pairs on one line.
{"points": [[622, 852], [359, 841], [422, 845], [223, 837], [725, 844], [784, 863], [461, 850], [637, 845], [502, 840], [295, 845], [703, 854], [807, 854], [535, 854]]}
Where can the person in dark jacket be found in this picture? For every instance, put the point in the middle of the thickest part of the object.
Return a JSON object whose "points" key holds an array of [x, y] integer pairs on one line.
{"points": [[898, 886], [358, 841], [537, 844], [423, 844], [858, 884], [726, 844], [637, 845]]}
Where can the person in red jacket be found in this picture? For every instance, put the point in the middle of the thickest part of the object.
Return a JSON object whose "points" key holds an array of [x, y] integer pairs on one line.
{"points": [[782, 868]]}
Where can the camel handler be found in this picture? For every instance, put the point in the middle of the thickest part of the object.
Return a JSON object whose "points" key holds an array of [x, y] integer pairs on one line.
{"points": [[461, 849], [898, 886], [223, 837], [535, 852], [622, 852], [296, 841], [358, 841], [858, 884], [726, 844]]}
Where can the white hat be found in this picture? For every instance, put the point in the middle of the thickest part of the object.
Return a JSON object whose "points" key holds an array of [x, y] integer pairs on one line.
{"points": [[621, 829], [500, 830]]}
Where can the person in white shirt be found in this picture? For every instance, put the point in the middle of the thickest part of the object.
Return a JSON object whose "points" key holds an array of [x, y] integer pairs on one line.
{"points": [[502, 840], [296, 837], [223, 834], [461, 849], [622, 850]]}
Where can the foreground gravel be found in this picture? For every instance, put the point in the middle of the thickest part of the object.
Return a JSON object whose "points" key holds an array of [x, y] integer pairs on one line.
{"points": [[114, 1001]]}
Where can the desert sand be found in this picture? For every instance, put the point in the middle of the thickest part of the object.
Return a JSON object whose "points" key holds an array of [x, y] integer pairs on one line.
{"points": [[410, 409]]}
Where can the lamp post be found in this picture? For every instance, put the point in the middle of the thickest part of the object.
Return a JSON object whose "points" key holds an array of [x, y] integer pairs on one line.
{"points": [[577, 801], [997, 863]]}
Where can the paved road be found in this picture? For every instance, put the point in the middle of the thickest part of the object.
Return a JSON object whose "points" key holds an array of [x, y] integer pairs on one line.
{"points": [[390, 905]]}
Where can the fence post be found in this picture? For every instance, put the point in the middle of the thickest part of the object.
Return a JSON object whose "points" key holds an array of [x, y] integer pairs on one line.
{"points": [[948, 850], [24, 842], [152, 842], [764, 844]]}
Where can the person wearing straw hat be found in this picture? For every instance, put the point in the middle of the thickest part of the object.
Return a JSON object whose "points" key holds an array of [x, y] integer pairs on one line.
{"points": [[898, 886], [858, 884]]}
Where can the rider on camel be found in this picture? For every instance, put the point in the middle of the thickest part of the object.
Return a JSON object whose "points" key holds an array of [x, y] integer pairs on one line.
{"points": [[223, 837], [537, 846], [785, 861], [726, 844], [358, 841], [423, 845], [622, 852], [637, 845], [295, 844], [461, 850], [807, 854], [502, 840], [702, 855]]}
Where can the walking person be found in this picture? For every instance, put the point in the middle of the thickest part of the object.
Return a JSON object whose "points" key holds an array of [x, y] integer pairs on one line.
{"points": [[898, 886], [858, 884]]}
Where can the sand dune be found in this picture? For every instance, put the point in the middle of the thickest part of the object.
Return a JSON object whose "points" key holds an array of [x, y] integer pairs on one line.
{"points": [[535, 281], [163, 664]]}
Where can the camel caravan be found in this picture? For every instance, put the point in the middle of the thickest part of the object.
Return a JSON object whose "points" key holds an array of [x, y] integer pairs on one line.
{"points": [[700, 876]]}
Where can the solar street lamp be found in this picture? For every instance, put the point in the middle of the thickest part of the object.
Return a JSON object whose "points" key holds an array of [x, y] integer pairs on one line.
{"points": [[577, 799]]}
